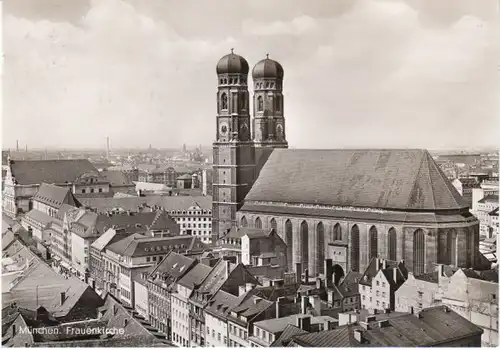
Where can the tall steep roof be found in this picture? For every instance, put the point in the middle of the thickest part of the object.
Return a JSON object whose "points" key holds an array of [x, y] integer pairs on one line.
{"points": [[386, 179], [59, 171]]}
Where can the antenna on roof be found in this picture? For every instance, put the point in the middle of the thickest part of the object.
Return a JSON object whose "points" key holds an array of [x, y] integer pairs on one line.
{"points": [[232, 50], [267, 55]]}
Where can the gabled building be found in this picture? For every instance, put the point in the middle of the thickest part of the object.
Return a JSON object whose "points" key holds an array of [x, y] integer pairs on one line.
{"points": [[46, 204], [181, 331], [345, 296], [433, 327], [223, 276], [24, 178], [119, 182], [123, 260], [263, 247], [381, 279], [161, 284], [65, 299], [216, 313]]}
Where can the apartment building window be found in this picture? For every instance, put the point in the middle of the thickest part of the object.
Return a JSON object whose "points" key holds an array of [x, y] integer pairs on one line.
{"points": [[377, 293], [378, 303], [378, 283], [218, 336], [383, 294], [148, 259], [225, 339]]}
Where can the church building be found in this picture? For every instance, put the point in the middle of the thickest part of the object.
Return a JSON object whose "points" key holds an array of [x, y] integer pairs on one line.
{"points": [[347, 205]]}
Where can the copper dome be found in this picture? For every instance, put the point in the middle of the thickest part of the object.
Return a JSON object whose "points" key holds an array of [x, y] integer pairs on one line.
{"points": [[267, 68], [232, 64]]}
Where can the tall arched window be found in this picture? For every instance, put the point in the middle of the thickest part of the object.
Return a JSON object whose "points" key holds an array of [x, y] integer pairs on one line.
{"points": [[392, 244], [418, 252], [320, 246], [274, 225], [258, 223], [260, 104], [373, 242], [244, 222], [289, 243], [223, 99], [337, 232], [304, 244], [354, 248], [452, 247]]}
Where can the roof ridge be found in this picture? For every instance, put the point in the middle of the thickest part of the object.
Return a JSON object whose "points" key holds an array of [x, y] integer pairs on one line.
{"points": [[414, 182], [430, 179]]}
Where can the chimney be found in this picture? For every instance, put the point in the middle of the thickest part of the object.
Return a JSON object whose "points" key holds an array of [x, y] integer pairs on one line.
{"points": [[410, 309], [303, 304], [328, 272], [298, 272], [440, 270], [228, 268], [279, 305], [306, 276], [304, 322], [241, 290], [248, 287], [384, 264], [395, 271], [333, 278], [358, 335], [63, 297], [319, 283], [377, 264]]}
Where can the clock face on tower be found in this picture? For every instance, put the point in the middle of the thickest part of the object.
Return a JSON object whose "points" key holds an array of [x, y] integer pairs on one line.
{"points": [[224, 129]]}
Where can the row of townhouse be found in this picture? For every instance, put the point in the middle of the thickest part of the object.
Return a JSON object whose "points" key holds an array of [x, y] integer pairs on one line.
{"points": [[471, 294]]}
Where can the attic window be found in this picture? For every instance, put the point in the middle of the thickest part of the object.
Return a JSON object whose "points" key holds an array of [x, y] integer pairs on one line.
{"points": [[146, 249]]}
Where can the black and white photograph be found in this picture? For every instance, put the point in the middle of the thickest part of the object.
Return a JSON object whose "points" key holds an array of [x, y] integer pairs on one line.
{"points": [[250, 173]]}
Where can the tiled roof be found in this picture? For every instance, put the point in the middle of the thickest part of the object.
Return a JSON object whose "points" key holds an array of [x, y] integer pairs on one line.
{"points": [[372, 270], [435, 325], [216, 277], [53, 196], [28, 172], [195, 276], [275, 325], [285, 337], [389, 179], [97, 224], [341, 337], [116, 178], [432, 277], [132, 203], [171, 268], [38, 216], [41, 286], [490, 198], [221, 304], [238, 232], [139, 245]]}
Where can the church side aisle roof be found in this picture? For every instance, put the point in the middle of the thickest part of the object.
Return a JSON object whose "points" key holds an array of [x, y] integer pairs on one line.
{"points": [[406, 179]]}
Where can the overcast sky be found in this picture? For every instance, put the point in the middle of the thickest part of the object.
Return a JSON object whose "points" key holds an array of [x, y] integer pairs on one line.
{"points": [[385, 73]]}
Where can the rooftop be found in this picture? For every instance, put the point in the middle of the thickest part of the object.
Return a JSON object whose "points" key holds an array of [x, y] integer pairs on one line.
{"points": [[29, 172], [386, 179]]}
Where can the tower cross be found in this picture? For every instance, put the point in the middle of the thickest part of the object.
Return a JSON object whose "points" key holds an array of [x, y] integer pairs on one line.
{"points": [[267, 55], [232, 49]]}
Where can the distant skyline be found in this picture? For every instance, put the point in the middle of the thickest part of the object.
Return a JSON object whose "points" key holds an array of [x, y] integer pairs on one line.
{"points": [[358, 73]]}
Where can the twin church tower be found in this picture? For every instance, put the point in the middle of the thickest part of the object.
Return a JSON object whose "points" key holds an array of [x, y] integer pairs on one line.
{"points": [[243, 144]]}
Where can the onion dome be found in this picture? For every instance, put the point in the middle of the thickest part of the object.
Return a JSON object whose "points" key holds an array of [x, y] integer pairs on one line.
{"points": [[232, 64], [267, 68]]}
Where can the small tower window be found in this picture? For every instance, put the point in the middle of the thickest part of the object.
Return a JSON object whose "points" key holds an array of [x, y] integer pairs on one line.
{"points": [[278, 103], [260, 104], [224, 100]]}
